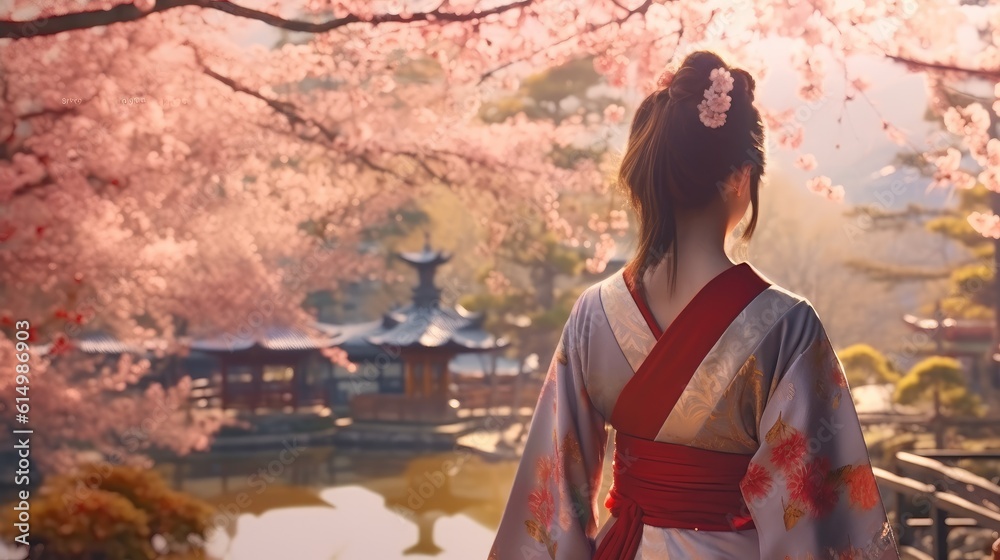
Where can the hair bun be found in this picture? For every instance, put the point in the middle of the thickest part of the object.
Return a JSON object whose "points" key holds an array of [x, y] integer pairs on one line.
{"points": [[694, 76], [744, 82], [707, 87]]}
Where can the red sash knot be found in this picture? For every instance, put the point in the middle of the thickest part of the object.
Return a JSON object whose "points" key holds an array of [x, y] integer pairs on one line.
{"points": [[671, 486]]}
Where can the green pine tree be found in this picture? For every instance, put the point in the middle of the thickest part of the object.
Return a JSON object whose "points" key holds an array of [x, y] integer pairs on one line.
{"points": [[864, 365]]}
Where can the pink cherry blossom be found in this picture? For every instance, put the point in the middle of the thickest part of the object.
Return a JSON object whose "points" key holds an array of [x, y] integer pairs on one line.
{"points": [[806, 162], [895, 135], [986, 223], [823, 186], [948, 172], [614, 114], [712, 109], [990, 175], [664, 80]]}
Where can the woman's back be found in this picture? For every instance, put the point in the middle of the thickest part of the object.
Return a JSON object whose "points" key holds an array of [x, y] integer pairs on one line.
{"points": [[751, 380], [735, 432]]}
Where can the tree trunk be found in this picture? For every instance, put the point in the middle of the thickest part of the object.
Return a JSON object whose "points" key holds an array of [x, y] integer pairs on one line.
{"points": [[545, 286], [938, 423]]}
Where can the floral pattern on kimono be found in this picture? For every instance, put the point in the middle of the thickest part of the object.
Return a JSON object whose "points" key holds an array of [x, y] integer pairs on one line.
{"points": [[810, 484], [561, 465]]}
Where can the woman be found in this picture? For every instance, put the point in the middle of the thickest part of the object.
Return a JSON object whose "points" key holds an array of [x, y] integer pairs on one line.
{"points": [[735, 432]]}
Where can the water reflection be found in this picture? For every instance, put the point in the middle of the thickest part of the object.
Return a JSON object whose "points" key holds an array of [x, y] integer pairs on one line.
{"points": [[325, 503]]}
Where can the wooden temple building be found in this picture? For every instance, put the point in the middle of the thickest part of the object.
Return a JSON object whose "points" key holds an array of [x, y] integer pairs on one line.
{"points": [[274, 368], [403, 360], [417, 344]]}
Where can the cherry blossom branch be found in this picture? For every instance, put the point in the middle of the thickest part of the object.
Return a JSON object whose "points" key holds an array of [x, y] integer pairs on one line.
{"points": [[641, 9], [341, 213], [421, 160], [964, 94], [989, 73], [290, 112], [915, 64], [284, 108], [31, 115], [365, 158], [45, 181], [484, 164], [383, 169], [42, 112], [129, 12]]}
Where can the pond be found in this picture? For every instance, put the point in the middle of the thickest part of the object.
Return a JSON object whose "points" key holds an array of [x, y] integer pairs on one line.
{"points": [[326, 503]]}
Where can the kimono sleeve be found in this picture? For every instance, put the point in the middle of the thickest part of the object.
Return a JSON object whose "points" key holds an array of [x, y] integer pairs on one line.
{"points": [[810, 487], [552, 511]]}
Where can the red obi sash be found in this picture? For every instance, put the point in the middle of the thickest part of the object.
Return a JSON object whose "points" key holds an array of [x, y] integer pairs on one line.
{"points": [[669, 485]]}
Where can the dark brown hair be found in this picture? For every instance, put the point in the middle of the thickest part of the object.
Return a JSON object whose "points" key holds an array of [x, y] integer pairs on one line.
{"points": [[673, 162]]}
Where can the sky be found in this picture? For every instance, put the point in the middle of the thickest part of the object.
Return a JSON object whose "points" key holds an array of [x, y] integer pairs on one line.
{"points": [[855, 151]]}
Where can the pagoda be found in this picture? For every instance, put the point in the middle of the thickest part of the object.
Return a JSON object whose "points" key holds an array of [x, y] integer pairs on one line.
{"points": [[424, 335]]}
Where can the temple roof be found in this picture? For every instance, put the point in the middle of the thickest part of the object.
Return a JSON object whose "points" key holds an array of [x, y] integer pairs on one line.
{"points": [[414, 326], [426, 263], [269, 338], [98, 342], [425, 322], [424, 257]]}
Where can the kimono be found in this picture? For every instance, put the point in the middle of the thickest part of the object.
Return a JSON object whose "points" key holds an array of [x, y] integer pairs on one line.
{"points": [[735, 435]]}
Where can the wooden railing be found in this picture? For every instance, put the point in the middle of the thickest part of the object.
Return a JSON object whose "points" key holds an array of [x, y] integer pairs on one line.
{"points": [[944, 497], [401, 408], [952, 480], [206, 393], [480, 398]]}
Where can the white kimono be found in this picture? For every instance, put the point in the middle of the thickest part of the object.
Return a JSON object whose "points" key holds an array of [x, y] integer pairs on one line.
{"points": [[752, 375]]}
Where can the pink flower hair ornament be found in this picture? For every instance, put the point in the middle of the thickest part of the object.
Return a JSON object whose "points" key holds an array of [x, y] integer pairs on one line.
{"points": [[712, 109]]}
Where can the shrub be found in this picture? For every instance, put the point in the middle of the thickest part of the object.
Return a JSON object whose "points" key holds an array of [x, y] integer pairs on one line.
{"points": [[104, 512]]}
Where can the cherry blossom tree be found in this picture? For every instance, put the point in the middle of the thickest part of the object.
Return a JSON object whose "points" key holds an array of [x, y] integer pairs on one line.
{"points": [[159, 177]]}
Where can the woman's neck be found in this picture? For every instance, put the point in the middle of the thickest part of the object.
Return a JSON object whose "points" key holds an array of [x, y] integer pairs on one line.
{"points": [[701, 257], [700, 253], [701, 244]]}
